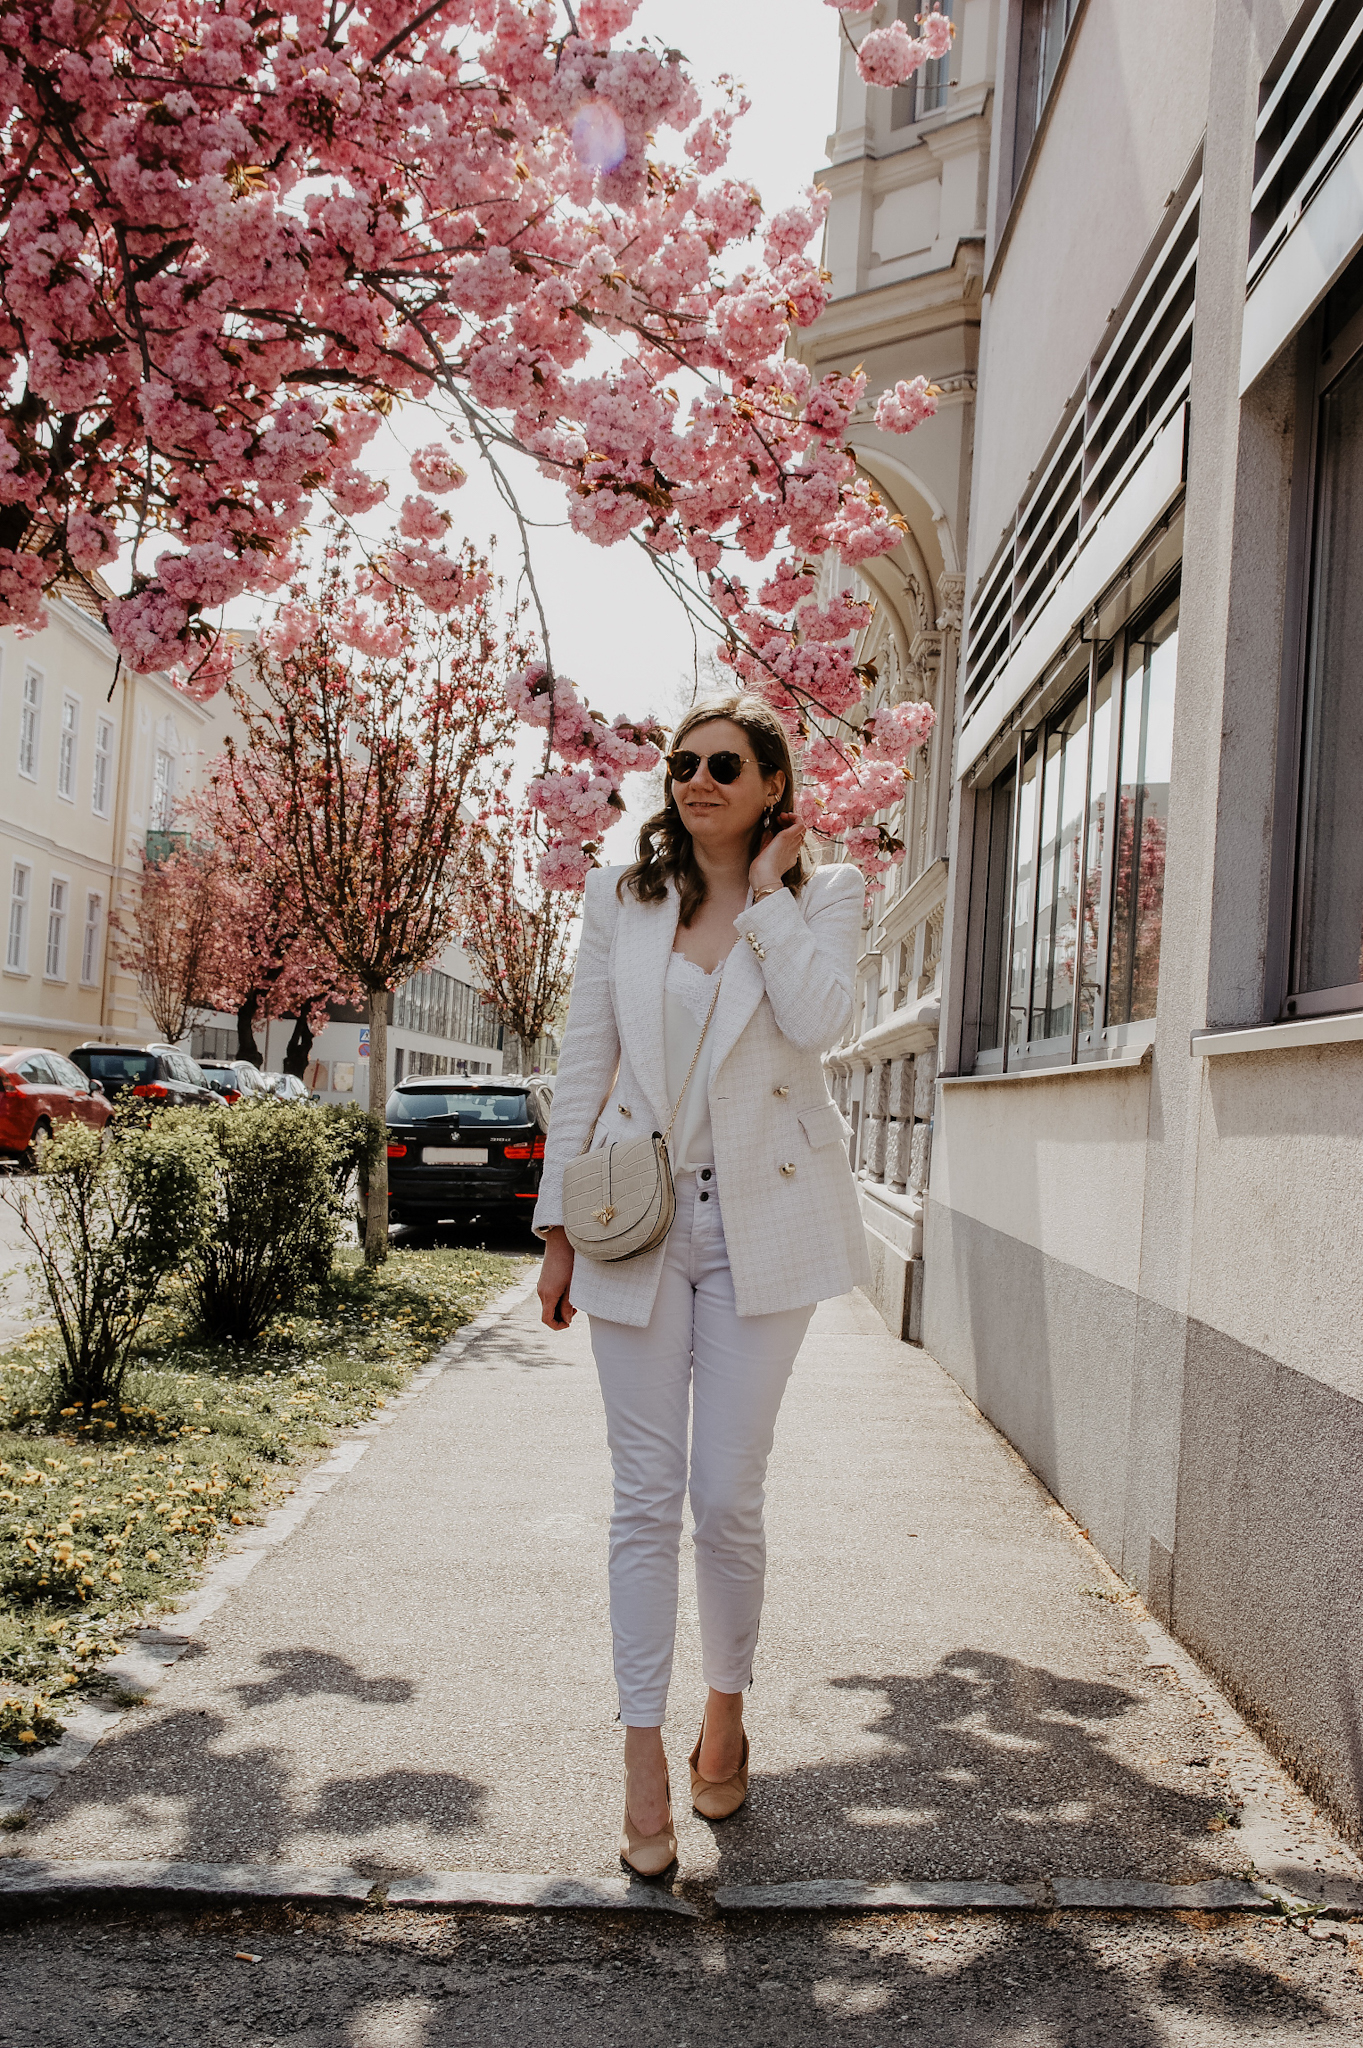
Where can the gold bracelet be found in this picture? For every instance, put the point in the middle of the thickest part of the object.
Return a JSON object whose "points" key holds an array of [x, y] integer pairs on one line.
{"points": [[759, 894]]}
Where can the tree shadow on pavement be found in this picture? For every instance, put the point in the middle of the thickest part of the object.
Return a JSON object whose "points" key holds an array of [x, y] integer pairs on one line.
{"points": [[987, 1768], [794, 1981], [302, 1674], [183, 1785]]}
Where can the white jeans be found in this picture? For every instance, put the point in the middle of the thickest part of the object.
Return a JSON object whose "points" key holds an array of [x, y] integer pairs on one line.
{"points": [[729, 1371]]}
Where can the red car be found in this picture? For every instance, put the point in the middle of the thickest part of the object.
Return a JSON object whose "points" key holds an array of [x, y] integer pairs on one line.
{"points": [[37, 1090]]}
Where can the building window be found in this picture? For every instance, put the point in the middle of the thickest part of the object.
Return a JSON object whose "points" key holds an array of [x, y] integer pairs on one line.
{"points": [[1326, 970], [1045, 25], [441, 1007], [55, 963], [20, 888], [104, 755], [162, 799], [30, 710], [89, 952], [926, 91], [66, 749], [1068, 895]]}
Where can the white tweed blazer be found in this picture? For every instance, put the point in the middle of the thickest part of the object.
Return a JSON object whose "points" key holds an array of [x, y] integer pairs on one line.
{"points": [[791, 1217]]}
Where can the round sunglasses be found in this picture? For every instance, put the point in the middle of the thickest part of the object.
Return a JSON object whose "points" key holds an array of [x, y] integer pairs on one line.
{"points": [[724, 767]]}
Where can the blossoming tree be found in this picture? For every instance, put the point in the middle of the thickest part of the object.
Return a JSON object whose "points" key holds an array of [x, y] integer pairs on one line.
{"points": [[376, 734], [172, 938], [517, 931], [268, 962], [232, 238]]}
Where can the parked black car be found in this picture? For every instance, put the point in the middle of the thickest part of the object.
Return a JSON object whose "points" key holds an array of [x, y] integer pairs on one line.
{"points": [[233, 1079], [155, 1073], [462, 1148]]}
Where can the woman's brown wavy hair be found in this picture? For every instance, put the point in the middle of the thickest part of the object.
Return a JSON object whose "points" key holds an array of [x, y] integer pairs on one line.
{"points": [[665, 849]]}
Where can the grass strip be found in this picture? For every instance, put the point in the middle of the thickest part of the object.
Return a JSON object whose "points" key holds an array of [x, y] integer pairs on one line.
{"points": [[102, 1525]]}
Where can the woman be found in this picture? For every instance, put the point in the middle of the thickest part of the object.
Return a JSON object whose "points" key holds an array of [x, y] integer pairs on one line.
{"points": [[717, 916]]}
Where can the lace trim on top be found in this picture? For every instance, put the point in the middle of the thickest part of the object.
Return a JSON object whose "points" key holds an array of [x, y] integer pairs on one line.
{"points": [[691, 985]]}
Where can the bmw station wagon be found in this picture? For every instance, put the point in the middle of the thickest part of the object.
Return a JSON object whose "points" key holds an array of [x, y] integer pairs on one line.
{"points": [[459, 1148]]}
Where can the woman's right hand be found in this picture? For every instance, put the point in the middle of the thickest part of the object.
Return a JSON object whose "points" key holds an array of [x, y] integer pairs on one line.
{"points": [[556, 1277]]}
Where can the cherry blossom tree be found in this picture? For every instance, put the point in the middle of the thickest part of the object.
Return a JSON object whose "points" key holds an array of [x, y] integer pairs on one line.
{"points": [[172, 939], [517, 932], [268, 962], [376, 736], [232, 239]]}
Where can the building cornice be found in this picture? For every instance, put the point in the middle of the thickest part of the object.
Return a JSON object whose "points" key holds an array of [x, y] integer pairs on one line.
{"points": [[970, 108], [904, 311]]}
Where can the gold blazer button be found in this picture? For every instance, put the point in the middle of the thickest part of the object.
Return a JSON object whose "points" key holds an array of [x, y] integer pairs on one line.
{"points": [[780, 1091], [789, 1167], [623, 1110]]}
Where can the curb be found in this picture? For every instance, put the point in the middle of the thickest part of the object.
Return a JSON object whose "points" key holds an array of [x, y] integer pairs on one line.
{"points": [[1063, 1894], [140, 1668], [37, 1881]]}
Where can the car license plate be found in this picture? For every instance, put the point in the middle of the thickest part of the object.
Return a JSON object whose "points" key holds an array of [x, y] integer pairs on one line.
{"points": [[454, 1155]]}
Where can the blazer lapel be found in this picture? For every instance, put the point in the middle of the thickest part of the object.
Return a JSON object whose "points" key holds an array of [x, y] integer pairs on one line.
{"points": [[643, 944], [740, 992]]}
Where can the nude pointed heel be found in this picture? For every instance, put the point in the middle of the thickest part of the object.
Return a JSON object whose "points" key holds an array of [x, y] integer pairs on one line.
{"points": [[716, 1799], [648, 1855]]}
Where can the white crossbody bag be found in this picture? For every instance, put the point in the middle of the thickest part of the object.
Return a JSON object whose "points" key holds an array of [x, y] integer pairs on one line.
{"points": [[619, 1201]]}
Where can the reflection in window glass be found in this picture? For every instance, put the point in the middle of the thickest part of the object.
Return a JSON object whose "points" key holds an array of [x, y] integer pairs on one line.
{"points": [[1330, 897], [1020, 949], [1062, 822], [1045, 25], [997, 870], [1089, 977], [1142, 821]]}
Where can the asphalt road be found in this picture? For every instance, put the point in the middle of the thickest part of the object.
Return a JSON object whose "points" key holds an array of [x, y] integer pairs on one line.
{"points": [[385, 1980]]}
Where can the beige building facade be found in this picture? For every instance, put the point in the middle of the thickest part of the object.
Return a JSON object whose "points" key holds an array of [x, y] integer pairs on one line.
{"points": [[92, 760], [908, 180]]}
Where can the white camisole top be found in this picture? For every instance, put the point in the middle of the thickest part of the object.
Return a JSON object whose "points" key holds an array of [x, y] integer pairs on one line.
{"points": [[687, 995]]}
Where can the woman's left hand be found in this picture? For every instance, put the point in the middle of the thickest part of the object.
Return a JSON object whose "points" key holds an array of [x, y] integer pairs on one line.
{"points": [[780, 852]]}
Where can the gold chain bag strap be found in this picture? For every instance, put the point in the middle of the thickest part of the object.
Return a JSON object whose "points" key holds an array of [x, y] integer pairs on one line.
{"points": [[619, 1201]]}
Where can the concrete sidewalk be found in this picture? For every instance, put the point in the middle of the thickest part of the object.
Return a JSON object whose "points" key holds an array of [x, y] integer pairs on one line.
{"points": [[949, 1685]]}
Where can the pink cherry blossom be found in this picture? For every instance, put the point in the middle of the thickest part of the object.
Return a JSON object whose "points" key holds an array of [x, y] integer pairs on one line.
{"points": [[890, 55], [911, 401], [938, 31], [436, 470], [234, 242]]}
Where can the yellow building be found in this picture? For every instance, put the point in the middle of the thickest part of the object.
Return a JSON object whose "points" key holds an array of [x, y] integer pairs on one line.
{"points": [[92, 760]]}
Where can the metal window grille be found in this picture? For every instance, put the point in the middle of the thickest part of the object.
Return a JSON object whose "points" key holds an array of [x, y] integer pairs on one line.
{"points": [[1310, 107], [1135, 382]]}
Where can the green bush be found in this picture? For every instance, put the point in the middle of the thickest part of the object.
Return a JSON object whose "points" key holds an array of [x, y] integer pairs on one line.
{"points": [[357, 1138], [108, 1223], [274, 1213]]}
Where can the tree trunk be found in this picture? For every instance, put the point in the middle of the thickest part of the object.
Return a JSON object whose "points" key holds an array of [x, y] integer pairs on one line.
{"points": [[247, 1049], [298, 1051], [376, 1223]]}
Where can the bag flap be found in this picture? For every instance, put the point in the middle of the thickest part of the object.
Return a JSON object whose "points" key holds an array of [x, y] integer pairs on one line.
{"points": [[822, 1126]]}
